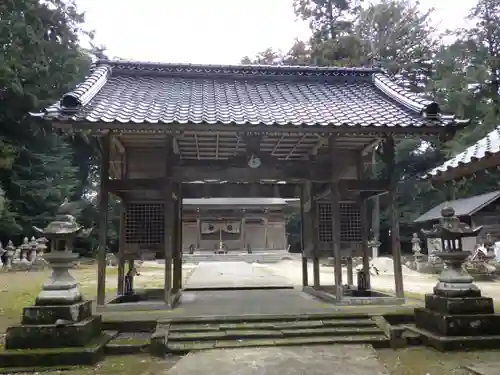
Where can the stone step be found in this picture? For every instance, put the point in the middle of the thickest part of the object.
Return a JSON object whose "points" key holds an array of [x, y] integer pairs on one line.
{"points": [[378, 341], [274, 325], [128, 343], [241, 334]]}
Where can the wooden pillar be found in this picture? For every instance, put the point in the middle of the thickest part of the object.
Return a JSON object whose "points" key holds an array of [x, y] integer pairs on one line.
{"points": [[242, 233], [121, 252], [177, 252], [103, 220], [198, 233], [364, 224], [305, 276], [350, 275], [266, 224], [168, 220], [376, 203], [390, 159], [335, 202], [313, 212]]}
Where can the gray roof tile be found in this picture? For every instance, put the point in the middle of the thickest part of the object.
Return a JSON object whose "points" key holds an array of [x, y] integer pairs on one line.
{"points": [[462, 207], [133, 92], [487, 146]]}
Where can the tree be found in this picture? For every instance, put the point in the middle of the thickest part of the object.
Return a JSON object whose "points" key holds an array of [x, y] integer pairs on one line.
{"points": [[398, 36], [468, 73], [40, 60]]}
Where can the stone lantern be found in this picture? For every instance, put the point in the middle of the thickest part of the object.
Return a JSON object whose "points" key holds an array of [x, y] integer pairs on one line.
{"points": [[11, 251], [454, 280], [61, 288], [455, 315], [32, 253], [60, 317], [374, 244], [25, 250], [41, 246]]}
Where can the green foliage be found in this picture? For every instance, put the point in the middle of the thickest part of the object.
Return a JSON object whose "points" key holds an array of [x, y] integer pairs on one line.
{"points": [[463, 77], [41, 59]]}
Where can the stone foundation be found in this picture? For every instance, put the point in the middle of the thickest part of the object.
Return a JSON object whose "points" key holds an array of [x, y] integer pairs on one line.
{"points": [[53, 335], [458, 322]]}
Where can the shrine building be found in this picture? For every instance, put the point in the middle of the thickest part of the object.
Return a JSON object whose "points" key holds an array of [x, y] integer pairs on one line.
{"points": [[245, 132], [236, 224]]}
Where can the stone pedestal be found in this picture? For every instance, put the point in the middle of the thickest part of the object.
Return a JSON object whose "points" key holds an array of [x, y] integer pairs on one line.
{"points": [[59, 328], [61, 288], [456, 316]]}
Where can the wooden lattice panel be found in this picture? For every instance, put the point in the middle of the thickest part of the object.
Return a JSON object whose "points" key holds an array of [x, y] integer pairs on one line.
{"points": [[350, 222], [144, 223]]}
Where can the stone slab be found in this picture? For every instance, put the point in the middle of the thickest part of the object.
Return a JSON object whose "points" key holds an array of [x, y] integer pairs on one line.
{"points": [[485, 369], [313, 360], [34, 358], [466, 305], [457, 325], [232, 275], [456, 343], [50, 314], [52, 336]]}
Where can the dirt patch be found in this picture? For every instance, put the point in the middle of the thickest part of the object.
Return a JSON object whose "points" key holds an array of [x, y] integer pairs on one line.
{"points": [[426, 361]]}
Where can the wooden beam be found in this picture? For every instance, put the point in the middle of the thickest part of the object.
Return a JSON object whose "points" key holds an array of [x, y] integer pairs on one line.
{"points": [[335, 201], [364, 224], [305, 270], [366, 188], [172, 128], [103, 220], [168, 240]]}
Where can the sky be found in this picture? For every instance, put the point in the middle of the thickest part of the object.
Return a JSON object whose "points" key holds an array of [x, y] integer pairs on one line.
{"points": [[212, 31]]}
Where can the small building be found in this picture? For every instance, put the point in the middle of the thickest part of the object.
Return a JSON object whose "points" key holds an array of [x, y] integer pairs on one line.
{"points": [[237, 223], [479, 210], [245, 131]]}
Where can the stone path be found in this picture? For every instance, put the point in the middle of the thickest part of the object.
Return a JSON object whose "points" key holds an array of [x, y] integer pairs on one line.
{"points": [[243, 302], [312, 360], [485, 369], [233, 274]]}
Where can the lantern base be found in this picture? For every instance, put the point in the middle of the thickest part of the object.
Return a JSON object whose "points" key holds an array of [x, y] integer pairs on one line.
{"points": [[446, 319], [59, 297]]}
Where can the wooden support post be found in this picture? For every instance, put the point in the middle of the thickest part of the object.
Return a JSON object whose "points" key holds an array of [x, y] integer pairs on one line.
{"points": [[242, 233], [364, 225], [121, 253], [168, 220], [266, 240], [376, 203], [198, 233], [177, 253], [313, 212], [305, 276], [350, 275], [390, 159], [181, 237], [103, 220], [335, 202]]}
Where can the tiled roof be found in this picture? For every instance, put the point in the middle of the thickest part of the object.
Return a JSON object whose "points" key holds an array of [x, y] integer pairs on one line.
{"points": [[462, 207], [485, 147], [149, 93]]}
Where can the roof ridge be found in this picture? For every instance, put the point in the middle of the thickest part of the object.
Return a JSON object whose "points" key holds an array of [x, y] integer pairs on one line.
{"points": [[85, 91], [406, 97], [233, 68]]}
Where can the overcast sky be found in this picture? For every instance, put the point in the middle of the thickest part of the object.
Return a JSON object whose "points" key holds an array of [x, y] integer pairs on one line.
{"points": [[212, 31]]}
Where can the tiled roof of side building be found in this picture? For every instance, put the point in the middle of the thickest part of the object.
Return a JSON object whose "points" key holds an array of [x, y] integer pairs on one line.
{"points": [[470, 158], [150, 93]]}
